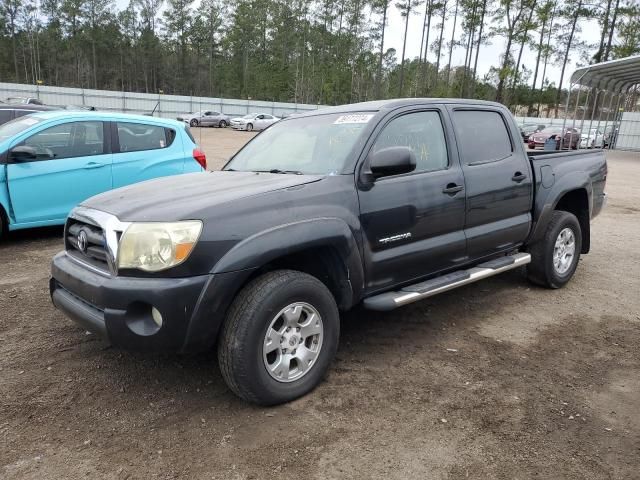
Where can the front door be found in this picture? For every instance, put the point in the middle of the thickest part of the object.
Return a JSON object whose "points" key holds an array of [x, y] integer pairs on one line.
{"points": [[71, 163], [497, 178], [413, 223]]}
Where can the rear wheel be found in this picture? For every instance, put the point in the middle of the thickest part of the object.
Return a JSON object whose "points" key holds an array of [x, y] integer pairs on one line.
{"points": [[279, 337], [222, 124], [555, 257]]}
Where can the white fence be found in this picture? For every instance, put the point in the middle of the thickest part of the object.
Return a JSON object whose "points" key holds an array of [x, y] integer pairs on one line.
{"points": [[628, 137], [629, 134], [144, 103]]}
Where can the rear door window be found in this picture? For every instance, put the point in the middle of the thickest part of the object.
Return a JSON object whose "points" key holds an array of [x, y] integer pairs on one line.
{"points": [[134, 137], [482, 136], [5, 116]]}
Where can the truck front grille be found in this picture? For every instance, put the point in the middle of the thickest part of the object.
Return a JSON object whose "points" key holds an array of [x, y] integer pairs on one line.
{"points": [[87, 243]]}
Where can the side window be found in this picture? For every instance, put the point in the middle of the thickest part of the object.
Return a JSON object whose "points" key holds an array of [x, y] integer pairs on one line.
{"points": [[134, 137], [482, 136], [68, 140], [5, 116], [423, 133], [22, 113]]}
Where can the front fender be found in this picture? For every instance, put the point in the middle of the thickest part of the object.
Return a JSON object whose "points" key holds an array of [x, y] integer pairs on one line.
{"points": [[277, 242]]}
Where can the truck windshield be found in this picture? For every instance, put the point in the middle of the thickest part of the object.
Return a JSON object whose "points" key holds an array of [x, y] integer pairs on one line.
{"points": [[310, 145], [17, 126]]}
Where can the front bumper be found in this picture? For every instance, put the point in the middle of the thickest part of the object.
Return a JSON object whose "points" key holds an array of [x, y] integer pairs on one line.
{"points": [[119, 308], [239, 126]]}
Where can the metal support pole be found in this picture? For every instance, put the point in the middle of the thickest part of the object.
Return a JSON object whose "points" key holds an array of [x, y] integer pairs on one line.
{"points": [[566, 111], [615, 119], [573, 123], [593, 112], [600, 116], [584, 110], [606, 122]]}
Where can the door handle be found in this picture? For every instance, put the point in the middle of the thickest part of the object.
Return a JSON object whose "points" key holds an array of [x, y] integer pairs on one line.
{"points": [[91, 165], [518, 177], [452, 189]]}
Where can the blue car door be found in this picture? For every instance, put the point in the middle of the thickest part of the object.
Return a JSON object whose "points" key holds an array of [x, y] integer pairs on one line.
{"points": [[53, 170], [143, 151]]}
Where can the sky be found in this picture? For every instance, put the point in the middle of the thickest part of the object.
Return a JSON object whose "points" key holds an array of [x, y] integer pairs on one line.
{"points": [[489, 54]]}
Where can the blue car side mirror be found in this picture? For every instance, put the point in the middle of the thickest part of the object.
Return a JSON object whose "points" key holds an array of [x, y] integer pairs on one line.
{"points": [[23, 153]]}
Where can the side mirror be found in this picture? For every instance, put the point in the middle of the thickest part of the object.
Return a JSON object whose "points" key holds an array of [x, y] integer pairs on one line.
{"points": [[23, 153], [392, 161]]}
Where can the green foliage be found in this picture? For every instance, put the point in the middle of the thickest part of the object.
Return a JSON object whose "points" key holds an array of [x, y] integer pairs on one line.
{"points": [[318, 51]]}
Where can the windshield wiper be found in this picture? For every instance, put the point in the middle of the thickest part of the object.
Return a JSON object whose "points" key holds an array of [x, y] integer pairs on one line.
{"points": [[277, 170]]}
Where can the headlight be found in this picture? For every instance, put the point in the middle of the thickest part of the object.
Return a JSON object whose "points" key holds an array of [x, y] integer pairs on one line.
{"points": [[157, 246]]}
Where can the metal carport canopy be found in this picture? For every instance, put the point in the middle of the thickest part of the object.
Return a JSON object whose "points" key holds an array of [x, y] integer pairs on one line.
{"points": [[616, 76]]}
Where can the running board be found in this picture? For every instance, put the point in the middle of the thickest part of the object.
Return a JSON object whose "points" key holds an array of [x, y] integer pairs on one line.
{"points": [[413, 293]]}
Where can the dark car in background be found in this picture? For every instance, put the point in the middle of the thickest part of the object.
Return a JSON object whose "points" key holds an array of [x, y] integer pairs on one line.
{"points": [[9, 112], [24, 101], [530, 128], [570, 140]]}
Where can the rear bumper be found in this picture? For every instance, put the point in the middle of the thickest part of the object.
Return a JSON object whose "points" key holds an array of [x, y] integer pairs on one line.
{"points": [[119, 309]]}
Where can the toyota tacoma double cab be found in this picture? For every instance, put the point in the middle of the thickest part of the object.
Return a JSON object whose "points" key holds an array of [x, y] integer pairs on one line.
{"points": [[380, 203]]}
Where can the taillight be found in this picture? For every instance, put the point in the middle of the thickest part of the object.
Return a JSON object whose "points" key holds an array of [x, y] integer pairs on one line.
{"points": [[200, 157]]}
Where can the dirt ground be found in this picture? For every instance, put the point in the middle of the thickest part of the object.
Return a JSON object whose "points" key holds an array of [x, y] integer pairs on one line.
{"points": [[499, 379]]}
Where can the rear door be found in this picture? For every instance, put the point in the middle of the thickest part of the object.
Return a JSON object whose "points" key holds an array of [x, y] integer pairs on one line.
{"points": [[497, 178], [72, 163], [414, 223], [142, 151]]}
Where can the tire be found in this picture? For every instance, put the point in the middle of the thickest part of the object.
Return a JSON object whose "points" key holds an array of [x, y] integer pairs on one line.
{"points": [[194, 122], [222, 124], [249, 127], [543, 269], [4, 224], [247, 368]]}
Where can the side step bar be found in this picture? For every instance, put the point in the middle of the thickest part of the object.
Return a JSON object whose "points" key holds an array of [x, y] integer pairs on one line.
{"points": [[413, 293]]}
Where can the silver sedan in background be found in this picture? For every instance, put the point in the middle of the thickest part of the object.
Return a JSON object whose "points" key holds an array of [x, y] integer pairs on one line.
{"points": [[253, 121], [205, 118]]}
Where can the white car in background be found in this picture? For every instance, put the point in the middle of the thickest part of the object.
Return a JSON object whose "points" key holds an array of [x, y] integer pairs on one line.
{"points": [[253, 121], [594, 139]]}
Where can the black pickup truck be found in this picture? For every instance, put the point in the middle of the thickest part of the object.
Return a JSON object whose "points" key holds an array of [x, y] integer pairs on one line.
{"points": [[380, 203]]}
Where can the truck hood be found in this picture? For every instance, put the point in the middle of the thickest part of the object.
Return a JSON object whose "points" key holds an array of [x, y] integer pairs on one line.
{"points": [[181, 197]]}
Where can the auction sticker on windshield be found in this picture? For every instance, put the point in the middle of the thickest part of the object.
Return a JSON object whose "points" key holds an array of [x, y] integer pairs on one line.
{"points": [[357, 118]]}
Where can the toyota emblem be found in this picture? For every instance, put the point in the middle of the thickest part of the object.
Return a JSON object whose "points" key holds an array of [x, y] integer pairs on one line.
{"points": [[82, 241]]}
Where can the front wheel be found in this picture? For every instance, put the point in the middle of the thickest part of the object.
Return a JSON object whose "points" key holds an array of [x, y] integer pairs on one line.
{"points": [[194, 123], [279, 337], [222, 124], [249, 127], [555, 257]]}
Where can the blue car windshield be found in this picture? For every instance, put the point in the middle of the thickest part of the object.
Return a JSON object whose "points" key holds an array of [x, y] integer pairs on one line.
{"points": [[19, 125], [318, 144]]}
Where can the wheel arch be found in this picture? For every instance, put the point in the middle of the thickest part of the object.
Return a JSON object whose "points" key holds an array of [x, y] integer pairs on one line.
{"points": [[577, 202], [572, 192], [322, 247]]}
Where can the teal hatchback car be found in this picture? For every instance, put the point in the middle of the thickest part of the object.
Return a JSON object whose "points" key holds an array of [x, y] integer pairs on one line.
{"points": [[51, 161]]}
